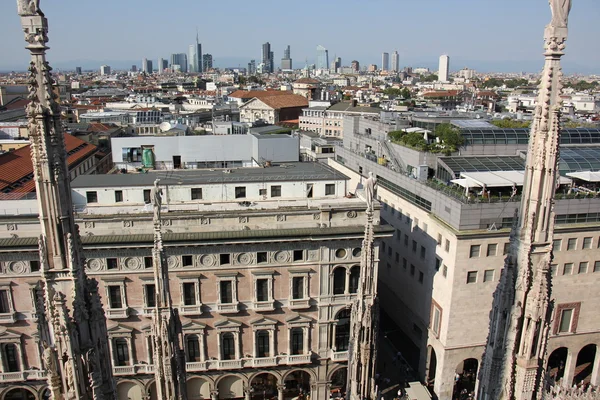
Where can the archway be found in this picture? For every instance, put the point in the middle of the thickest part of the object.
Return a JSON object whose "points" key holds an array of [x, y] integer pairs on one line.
{"points": [[263, 386], [46, 394], [129, 391], [431, 368], [354, 279], [19, 394], [152, 391], [338, 383], [557, 362], [197, 389], [339, 280], [465, 378], [297, 384], [585, 364], [231, 387], [342, 330]]}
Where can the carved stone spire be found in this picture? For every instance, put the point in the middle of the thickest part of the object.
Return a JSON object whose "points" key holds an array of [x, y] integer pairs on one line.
{"points": [[70, 322], [167, 336], [364, 320], [513, 362]]}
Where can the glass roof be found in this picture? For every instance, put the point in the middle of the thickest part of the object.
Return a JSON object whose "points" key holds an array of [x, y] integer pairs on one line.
{"points": [[479, 164], [521, 136], [573, 159]]}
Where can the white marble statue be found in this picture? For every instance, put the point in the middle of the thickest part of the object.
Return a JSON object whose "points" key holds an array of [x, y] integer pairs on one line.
{"points": [[560, 12], [28, 8], [370, 190], [156, 198]]}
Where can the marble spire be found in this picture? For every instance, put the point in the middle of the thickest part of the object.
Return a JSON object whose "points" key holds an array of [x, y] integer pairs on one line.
{"points": [[513, 362], [364, 320], [167, 336], [71, 320]]}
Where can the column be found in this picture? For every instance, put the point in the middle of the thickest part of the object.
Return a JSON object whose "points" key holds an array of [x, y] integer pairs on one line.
{"points": [[214, 395], [130, 349], [595, 379], [347, 283], [247, 394], [272, 342], [280, 389], [202, 351], [219, 335], [289, 347], [333, 328], [238, 345], [567, 380], [305, 333], [21, 356], [112, 352]]}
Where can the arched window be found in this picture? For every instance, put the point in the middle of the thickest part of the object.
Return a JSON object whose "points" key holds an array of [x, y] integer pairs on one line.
{"points": [[193, 348], [262, 344], [12, 357], [339, 280], [354, 279], [122, 350], [342, 330], [297, 341], [228, 346]]}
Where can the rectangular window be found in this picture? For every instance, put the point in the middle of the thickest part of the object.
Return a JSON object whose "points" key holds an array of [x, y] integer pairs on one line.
{"points": [[438, 263], [115, 299], [566, 316], [439, 239], [445, 271], [572, 244], [425, 227], [91, 197], [436, 319], [383, 247], [261, 257], [224, 258], [587, 243], [34, 265], [228, 346], [405, 239], [472, 277], [147, 196], [423, 251], [122, 350], [447, 246], [397, 257], [240, 192], [474, 251], [556, 245], [4, 302], [112, 263], [421, 277], [329, 189], [568, 269], [414, 246], [196, 193], [488, 275], [193, 348], [262, 192], [226, 292], [583, 267], [297, 341], [297, 287], [187, 261], [553, 269], [506, 248], [262, 290], [150, 295], [492, 249], [118, 196], [597, 266], [404, 263], [276, 191], [309, 190], [148, 262], [412, 270], [189, 293], [416, 226], [398, 234]]}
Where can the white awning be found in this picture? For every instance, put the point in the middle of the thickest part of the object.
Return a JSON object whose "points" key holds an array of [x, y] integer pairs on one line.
{"points": [[588, 176], [495, 179]]}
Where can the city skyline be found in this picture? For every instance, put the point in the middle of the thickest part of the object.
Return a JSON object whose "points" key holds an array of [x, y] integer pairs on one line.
{"points": [[453, 26]]}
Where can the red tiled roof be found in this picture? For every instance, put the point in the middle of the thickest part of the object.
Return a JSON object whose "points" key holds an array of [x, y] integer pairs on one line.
{"points": [[307, 81], [17, 104], [289, 101], [17, 165], [250, 94], [441, 93]]}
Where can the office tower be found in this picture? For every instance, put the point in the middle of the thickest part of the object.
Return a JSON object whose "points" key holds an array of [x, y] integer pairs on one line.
{"points": [[272, 61], [161, 67], [207, 62], [78, 70], [105, 70], [134, 68], [385, 62], [199, 60], [513, 365], [322, 57], [395, 61], [338, 63], [286, 61], [252, 67], [179, 62], [355, 66], [146, 66], [165, 64], [266, 57], [444, 68], [192, 59]]}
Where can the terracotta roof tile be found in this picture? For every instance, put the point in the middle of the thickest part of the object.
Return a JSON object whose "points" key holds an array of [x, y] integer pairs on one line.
{"points": [[289, 101], [250, 94]]}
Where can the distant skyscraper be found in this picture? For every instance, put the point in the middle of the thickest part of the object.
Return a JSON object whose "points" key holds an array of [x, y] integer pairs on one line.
{"points": [[252, 67], [179, 62], [104, 70], [134, 68], [192, 59], [286, 61], [207, 62], [165, 64], [147, 66], [322, 58], [444, 68], [385, 62], [161, 63], [78, 70], [271, 62], [355, 66], [395, 62], [266, 57], [199, 61]]}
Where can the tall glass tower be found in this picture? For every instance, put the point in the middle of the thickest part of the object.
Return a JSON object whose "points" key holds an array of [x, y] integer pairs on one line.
{"points": [[322, 58]]}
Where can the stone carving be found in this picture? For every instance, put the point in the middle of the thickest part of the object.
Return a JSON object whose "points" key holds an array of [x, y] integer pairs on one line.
{"points": [[17, 268], [173, 262], [243, 220], [280, 218], [132, 263], [313, 255], [156, 198], [282, 256], [128, 224], [560, 12], [370, 190], [244, 258], [89, 224], [317, 217], [208, 260], [204, 221], [95, 265], [11, 227], [351, 214], [49, 357], [166, 222], [28, 8]]}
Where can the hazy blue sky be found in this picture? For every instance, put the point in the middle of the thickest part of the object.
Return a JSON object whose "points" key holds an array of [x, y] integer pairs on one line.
{"points": [[503, 35]]}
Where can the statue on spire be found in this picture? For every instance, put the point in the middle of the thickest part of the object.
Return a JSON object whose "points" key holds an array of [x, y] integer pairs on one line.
{"points": [[28, 8], [560, 13]]}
